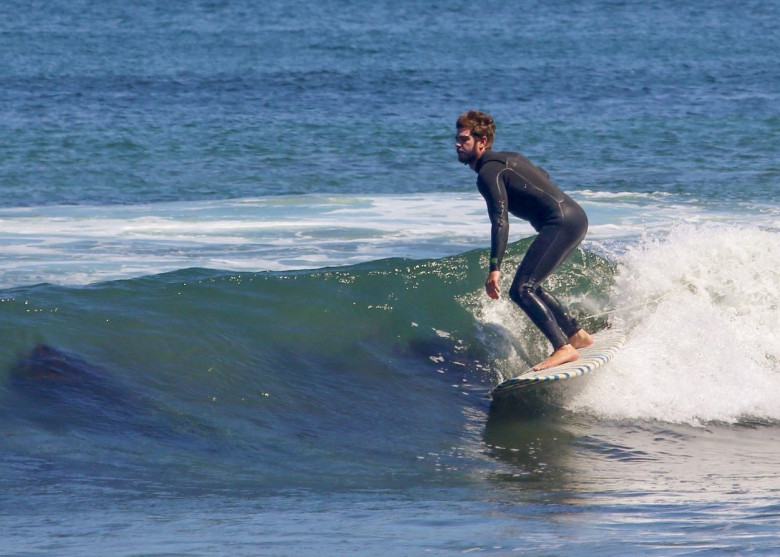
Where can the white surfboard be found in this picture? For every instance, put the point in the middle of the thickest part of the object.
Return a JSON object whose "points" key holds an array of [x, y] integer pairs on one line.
{"points": [[605, 344]]}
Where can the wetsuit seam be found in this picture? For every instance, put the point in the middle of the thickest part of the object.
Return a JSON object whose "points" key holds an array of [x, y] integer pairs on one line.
{"points": [[535, 283], [529, 184]]}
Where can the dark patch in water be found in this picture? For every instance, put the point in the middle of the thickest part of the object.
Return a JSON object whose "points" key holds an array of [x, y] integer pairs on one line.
{"points": [[60, 391]]}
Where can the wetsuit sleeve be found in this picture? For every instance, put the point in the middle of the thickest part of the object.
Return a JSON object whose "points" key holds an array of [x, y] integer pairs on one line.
{"points": [[493, 189]]}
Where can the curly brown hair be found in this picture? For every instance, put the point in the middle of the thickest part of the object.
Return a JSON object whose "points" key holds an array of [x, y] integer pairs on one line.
{"points": [[479, 124]]}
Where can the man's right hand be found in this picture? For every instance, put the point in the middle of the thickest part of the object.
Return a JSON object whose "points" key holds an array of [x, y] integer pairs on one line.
{"points": [[492, 284]]}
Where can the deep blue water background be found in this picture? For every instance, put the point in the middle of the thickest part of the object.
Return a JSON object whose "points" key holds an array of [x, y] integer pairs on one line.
{"points": [[346, 410], [140, 102]]}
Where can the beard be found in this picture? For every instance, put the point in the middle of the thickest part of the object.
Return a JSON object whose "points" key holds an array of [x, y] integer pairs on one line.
{"points": [[466, 157]]}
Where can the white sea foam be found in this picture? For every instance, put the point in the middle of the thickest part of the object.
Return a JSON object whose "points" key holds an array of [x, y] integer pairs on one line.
{"points": [[708, 347], [86, 244], [82, 244]]}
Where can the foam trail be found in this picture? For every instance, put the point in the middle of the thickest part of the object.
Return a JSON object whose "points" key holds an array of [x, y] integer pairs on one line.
{"points": [[85, 244], [708, 349]]}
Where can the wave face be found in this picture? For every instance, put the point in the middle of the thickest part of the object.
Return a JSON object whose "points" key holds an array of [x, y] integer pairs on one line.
{"points": [[297, 377], [313, 378]]}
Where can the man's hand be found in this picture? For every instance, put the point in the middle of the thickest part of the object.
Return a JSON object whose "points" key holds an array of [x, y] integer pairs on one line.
{"points": [[491, 286]]}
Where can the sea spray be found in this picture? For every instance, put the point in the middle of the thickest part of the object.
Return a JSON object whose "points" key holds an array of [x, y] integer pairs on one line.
{"points": [[582, 283], [706, 345]]}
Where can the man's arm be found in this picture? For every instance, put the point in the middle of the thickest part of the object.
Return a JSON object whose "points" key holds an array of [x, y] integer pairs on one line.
{"points": [[492, 188]]}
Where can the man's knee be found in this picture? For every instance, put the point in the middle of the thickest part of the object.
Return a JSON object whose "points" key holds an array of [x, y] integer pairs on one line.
{"points": [[522, 293]]}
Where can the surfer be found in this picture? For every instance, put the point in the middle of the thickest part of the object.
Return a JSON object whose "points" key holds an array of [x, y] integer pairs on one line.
{"points": [[510, 183]]}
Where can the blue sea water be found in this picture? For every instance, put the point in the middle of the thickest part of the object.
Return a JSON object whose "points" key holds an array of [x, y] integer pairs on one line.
{"points": [[241, 279]]}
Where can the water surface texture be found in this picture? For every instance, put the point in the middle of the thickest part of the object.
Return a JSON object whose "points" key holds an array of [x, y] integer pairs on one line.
{"points": [[241, 279]]}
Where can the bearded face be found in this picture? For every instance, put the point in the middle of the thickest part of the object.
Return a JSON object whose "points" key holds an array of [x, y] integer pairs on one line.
{"points": [[468, 147]]}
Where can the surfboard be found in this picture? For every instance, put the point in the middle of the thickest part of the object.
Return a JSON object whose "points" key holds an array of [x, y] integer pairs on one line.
{"points": [[605, 344]]}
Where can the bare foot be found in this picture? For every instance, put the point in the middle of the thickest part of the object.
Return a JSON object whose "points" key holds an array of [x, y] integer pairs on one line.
{"points": [[581, 339], [565, 354]]}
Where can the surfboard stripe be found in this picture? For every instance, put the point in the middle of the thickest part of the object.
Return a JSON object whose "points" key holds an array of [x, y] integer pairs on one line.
{"points": [[605, 345]]}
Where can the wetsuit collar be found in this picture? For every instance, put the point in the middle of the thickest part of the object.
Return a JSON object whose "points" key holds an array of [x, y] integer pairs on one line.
{"points": [[486, 156], [480, 161]]}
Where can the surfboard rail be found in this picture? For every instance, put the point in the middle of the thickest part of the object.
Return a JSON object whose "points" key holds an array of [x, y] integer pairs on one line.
{"points": [[605, 345]]}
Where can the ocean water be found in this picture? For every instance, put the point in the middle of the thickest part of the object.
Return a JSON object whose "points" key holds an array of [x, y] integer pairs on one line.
{"points": [[241, 279]]}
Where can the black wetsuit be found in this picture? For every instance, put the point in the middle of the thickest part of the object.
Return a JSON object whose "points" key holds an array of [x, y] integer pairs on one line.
{"points": [[510, 183]]}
